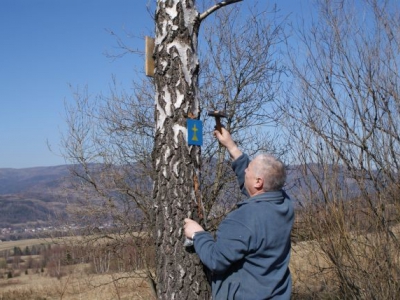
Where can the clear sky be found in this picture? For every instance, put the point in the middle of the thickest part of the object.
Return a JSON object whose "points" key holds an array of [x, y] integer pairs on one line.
{"points": [[48, 45]]}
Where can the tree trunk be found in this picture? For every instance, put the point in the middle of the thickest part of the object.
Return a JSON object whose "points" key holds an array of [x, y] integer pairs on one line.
{"points": [[179, 272]]}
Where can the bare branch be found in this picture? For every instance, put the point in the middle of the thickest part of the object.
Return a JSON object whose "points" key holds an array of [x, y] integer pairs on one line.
{"points": [[216, 7]]}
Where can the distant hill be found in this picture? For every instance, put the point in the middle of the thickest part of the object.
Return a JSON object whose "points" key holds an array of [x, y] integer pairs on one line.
{"points": [[33, 195], [16, 181]]}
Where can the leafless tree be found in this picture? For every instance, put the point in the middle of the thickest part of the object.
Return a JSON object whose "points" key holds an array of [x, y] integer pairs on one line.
{"points": [[112, 142], [240, 74], [342, 115], [109, 144]]}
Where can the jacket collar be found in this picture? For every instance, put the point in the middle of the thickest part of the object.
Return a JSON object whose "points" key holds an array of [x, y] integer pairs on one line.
{"points": [[267, 196]]}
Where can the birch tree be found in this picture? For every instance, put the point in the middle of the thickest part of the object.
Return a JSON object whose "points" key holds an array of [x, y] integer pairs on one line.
{"points": [[110, 136], [176, 191]]}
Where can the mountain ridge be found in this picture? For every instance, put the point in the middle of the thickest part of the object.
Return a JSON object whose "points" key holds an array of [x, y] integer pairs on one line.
{"points": [[32, 196]]}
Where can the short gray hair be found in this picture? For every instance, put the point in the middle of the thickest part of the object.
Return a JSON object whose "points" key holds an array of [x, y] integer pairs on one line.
{"points": [[271, 170]]}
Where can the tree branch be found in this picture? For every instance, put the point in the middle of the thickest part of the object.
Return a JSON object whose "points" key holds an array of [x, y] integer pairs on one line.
{"points": [[216, 7]]}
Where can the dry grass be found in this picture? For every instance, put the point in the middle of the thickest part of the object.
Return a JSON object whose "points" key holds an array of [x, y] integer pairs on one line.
{"points": [[76, 285], [307, 260], [77, 282], [9, 245], [311, 270]]}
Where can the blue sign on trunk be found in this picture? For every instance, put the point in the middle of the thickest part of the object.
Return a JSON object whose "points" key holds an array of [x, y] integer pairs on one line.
{"points": [[195, 132]]}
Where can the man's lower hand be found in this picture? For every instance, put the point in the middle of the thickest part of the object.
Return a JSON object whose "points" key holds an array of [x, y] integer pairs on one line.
{"points": [[191, 227]]}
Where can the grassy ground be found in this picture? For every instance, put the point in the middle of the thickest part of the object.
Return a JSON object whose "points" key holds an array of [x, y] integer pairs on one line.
{"points": [[9, 245], [309, 267], [77, 281], [77, 284]]}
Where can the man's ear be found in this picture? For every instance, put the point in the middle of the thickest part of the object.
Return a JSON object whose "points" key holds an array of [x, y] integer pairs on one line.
{"points": [[259, 183]]}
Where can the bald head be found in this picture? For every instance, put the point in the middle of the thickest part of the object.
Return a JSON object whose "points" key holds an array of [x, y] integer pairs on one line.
{"points": [[271, 170]]}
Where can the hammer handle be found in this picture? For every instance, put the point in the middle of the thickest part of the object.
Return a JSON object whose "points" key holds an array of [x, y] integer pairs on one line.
{"points": [[218, 124]]}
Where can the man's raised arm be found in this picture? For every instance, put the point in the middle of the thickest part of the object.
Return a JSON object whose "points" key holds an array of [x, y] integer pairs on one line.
{"points": [[226, 140]]}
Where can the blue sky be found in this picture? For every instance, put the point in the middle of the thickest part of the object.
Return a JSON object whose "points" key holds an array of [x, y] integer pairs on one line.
{"points": [[48, 45]]}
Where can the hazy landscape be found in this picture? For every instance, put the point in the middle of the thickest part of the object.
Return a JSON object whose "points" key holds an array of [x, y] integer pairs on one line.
{"points": [[33, 265], [31, 197], [36, 265]]}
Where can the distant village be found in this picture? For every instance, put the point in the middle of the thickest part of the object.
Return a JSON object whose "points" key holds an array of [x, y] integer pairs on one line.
{"points": [[19, 233], [9, 233], [13, 234]]}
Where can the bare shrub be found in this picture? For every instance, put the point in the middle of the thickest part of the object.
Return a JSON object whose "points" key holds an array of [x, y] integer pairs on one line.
{"points": [[342, 114]]}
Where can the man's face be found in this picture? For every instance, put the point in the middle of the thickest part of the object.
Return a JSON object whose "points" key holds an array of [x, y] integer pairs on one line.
{"points": [[250, 177]]}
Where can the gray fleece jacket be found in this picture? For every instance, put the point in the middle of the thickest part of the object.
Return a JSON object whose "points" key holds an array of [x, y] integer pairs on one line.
{"points": [[249, 258]]}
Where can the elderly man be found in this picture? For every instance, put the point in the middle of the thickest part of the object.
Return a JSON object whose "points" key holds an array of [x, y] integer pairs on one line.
{"points": [[249, 257]]}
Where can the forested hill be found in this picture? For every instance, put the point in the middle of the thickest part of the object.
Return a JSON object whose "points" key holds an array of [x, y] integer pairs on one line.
{"points": [[32, 195], [16, 181]]}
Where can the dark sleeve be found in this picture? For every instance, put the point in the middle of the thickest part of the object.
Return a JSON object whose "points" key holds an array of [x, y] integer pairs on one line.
{"points": [[239, 166], [232, 242]]}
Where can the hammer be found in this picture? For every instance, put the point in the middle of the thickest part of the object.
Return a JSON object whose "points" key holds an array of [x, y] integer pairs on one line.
{"points": [[218, 115]]}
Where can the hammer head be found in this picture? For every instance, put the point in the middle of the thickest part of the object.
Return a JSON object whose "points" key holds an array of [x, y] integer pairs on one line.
{"points": [[217, 113]]}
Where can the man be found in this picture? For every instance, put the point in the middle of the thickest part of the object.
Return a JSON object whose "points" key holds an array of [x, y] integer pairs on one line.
{"points": [[249, 258]]}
